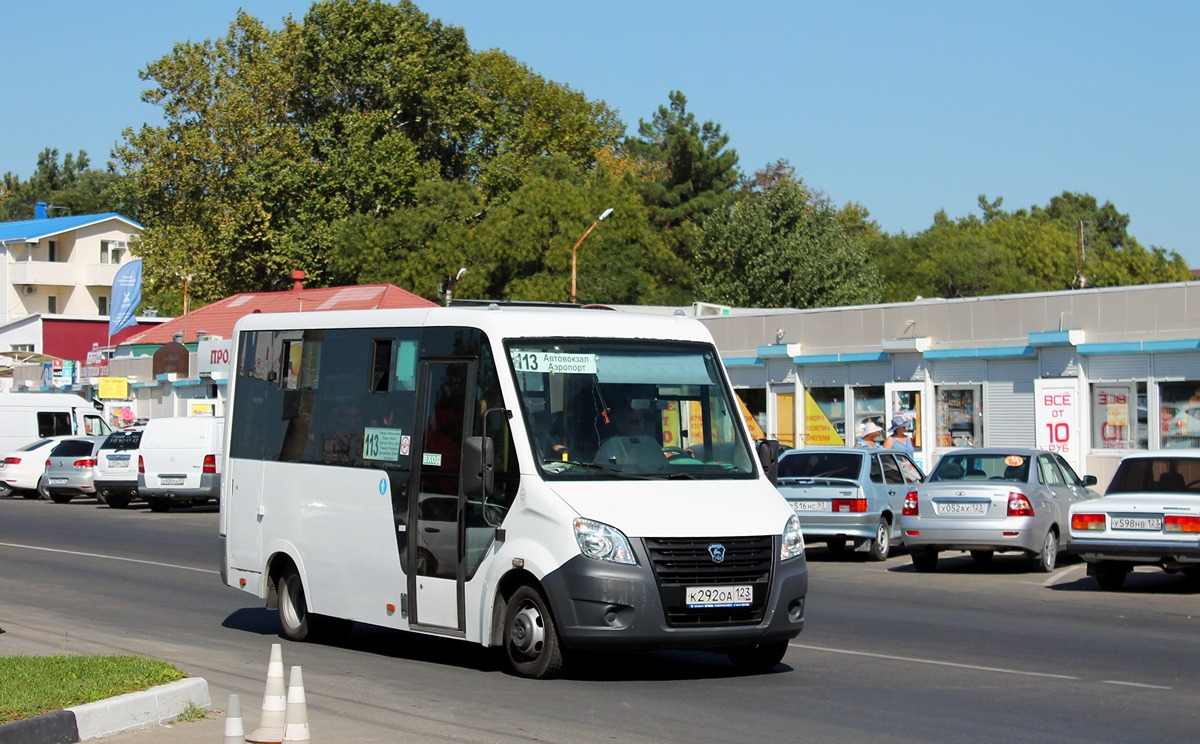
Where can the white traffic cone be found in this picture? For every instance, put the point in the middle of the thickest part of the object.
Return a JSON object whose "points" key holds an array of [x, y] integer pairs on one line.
{"points": [[274, 705], [234, 731], [295, 727]]}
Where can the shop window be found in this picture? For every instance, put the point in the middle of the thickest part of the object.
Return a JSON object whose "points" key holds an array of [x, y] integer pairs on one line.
{"points": [[1119, 416], [869, 405], [825, 417], [959, 416], [1179, 414]]}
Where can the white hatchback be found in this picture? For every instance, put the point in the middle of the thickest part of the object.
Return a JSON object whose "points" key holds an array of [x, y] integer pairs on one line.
{"points": [[23, 470]]}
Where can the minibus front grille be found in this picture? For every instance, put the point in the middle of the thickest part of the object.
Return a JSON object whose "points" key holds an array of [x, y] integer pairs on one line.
{"points": [[680, 563]]}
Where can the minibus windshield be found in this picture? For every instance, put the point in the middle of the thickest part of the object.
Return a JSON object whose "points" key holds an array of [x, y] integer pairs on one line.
{"points": [[606, 409]]}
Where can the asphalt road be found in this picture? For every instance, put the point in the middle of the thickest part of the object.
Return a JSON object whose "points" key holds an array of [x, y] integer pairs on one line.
{"points": [[994, 653]]}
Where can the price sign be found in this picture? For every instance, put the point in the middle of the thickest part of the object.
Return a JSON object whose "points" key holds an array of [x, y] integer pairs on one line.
{"points": [[1056, 418]]}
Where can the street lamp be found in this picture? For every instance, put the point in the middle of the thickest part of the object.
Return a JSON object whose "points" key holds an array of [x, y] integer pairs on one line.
{"points": [[575, 249]]}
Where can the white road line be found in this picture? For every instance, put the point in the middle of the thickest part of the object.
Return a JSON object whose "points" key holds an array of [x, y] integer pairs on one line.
{"points": [[910, 659], [110, 557], [1137, 684]]}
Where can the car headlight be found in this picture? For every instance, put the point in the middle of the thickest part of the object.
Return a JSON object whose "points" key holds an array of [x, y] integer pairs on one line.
{"points": [[792, 545], [601, 542]]}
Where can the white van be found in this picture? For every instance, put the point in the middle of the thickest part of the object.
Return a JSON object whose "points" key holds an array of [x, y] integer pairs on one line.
{"points": [[25, 417], [179, 461], [116, 467], [443, 471]]}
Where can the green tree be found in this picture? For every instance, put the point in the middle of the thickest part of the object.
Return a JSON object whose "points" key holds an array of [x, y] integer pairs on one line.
{"points": [[69, 187], [784, 246], [689, 170]]}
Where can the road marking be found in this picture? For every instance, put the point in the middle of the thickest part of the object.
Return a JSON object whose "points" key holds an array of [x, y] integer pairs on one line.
{"points": [[110, 557], [913, 660], [1137, 684]]}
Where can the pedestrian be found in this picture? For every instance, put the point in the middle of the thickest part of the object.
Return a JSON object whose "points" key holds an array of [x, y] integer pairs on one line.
{"points": [[899, 439], [868, 434]]}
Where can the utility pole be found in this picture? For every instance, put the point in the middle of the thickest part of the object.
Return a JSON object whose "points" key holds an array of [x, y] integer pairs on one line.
{"points": [[1079, 277]]}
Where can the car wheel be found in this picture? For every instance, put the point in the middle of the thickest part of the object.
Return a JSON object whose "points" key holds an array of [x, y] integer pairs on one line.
{"points": [[43, 489], [1111, 578], [530, 637], [1045, 560], [762, 657], [61, 498], [982, 557], [881, 546], [836, 545], [158, 504], [117, 502], [924, 559], [5, 490]]}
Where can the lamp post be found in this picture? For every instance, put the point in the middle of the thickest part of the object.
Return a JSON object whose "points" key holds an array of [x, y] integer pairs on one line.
{"points": [[575, 249]]}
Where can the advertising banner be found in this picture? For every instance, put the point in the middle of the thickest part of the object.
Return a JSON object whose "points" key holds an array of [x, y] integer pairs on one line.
{"points": [[126, 297]]}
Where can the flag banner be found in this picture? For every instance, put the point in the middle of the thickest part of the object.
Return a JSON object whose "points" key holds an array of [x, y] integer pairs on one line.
{"points": [[126, 297]]}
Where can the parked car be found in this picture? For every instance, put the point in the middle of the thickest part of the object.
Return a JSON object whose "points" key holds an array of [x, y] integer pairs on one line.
{"points": [[71, 468], [842, 494], [117, 467], [1149, 515], [23, 470], [180, 460], [993, 500]]}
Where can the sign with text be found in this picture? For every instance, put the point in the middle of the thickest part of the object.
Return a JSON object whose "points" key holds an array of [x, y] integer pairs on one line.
{"points": [[1056, 419]]}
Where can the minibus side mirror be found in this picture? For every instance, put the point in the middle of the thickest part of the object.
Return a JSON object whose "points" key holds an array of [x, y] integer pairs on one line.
{"points": [[1089, 480], [479, 467], [768, 455]]}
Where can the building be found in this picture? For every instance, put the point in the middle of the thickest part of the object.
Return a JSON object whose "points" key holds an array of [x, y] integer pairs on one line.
{"points": [[1091, 373]]}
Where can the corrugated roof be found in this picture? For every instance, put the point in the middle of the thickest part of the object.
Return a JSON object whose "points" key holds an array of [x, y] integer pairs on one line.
{"points": [[218, 318], [39, 229]]}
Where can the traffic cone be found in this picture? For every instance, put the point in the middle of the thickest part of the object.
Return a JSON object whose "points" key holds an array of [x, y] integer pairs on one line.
{"points": [[295, 727], [234, 732], [274, 705]]}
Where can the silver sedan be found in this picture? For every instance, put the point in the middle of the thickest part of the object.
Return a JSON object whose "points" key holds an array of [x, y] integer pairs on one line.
{"points": [[990, 500]]}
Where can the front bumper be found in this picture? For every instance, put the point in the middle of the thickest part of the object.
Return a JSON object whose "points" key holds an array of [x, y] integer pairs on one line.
{"points": [[606, 605]]}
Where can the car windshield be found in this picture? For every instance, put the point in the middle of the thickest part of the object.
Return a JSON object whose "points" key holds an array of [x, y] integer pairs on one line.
{"points": [[999, 466], [1157, 475], [820, 465], [72, 448], [604, 409], [123, 440]]}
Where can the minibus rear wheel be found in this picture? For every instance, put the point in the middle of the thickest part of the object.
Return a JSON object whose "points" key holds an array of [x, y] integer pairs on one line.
{"points": [[530, 636], [295, 620]]}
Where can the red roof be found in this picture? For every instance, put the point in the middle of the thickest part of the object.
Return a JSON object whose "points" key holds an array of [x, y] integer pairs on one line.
{"points": [[218, 318]]}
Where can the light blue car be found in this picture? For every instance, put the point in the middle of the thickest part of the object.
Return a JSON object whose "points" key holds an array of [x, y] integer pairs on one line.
{"points": [[842, 494]]}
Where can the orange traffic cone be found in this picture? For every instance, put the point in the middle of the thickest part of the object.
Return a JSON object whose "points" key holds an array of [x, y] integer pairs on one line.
{"points": [[274, 705], [234, 732], [295, 727]]}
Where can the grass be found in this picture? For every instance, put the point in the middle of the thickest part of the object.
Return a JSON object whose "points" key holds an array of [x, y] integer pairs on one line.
{"points": [[33, 685]]}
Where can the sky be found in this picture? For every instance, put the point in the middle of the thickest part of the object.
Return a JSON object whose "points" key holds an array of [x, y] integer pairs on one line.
{"points": [[907, 108]]}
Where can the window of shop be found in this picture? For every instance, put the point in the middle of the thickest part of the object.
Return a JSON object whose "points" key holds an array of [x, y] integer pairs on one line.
{"points": [[755, 401], [1119, 419], [959, 416], [825, 417], [1179, 414], [868, 406]]}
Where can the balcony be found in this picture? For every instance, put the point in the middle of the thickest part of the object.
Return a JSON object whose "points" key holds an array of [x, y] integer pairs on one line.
{"points": [[62, 274]]}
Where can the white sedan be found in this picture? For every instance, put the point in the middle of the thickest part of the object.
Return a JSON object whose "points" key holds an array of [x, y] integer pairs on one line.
{"points": [[21, 470], [1149, 516]]}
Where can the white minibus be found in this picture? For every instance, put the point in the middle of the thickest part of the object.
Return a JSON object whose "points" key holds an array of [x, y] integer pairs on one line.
{"points": [[483, 473]]}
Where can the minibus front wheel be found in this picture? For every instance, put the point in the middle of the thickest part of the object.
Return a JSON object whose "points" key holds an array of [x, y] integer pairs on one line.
{"points": [[530, 636]]}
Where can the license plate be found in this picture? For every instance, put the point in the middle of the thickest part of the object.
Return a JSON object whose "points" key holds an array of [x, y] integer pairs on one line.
{"points": [[118, 464], [977, 508], [58, 481], [170, 481], [740, 595], [810, 506], [1137, 523]]}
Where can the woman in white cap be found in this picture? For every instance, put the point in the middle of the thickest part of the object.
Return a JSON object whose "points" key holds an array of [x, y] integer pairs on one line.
{"points": [[899, 440], [868, 434]]}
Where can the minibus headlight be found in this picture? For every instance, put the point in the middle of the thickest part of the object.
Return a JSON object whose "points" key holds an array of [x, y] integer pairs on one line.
{"points": [[603, 543], [792, 544]]}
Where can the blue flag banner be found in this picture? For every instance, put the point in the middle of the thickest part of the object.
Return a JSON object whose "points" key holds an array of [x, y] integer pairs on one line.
{"points": [[126, 297]]}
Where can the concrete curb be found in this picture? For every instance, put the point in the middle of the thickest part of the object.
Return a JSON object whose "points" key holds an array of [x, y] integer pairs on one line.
{"points": [[134, 710]]}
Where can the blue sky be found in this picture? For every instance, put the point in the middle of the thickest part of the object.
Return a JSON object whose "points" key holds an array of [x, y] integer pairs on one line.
{"points": [[905, 107]]}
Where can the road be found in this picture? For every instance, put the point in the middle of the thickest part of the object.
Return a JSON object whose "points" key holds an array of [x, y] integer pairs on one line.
{"points": [[992, 653]]}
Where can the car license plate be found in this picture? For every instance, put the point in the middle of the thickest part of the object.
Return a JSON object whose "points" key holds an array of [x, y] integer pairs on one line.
{"points": [[740, 595], [975, 508], [810, 506], [58, 481], [1137, 523], [118, 462], [170, 481]]}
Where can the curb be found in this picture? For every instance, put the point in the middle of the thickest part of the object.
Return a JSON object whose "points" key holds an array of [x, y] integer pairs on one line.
{"points": [[134, 710]]}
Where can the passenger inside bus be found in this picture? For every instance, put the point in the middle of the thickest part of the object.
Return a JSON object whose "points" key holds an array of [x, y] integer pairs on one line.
{"points": [[630, 444]]}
